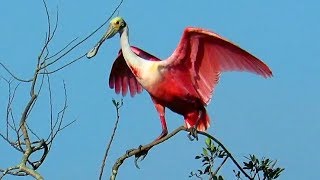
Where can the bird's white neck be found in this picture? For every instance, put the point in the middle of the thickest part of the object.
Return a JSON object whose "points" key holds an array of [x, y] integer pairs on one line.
{"points": [[131, 58], [145, 71]]}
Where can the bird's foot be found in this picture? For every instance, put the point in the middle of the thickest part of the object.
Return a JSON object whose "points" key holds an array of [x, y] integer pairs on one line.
{"points": [[163, 134], [193, 133], [129, 151], [140, 155]]}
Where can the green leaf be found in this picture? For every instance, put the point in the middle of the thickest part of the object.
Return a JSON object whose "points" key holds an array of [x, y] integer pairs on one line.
{"points": [[114, 102], [206, 163], [206, 170], [248, 165], [208, 142], [220, 178], [277, 172], [213, 148], [205, 152], [236, 173], [253, 158], [222, 154], [205, 159]]}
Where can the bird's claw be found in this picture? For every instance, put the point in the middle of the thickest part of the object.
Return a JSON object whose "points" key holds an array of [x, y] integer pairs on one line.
{"points": [[140, 156], [163, 134], [193, 134], [129, 151]]}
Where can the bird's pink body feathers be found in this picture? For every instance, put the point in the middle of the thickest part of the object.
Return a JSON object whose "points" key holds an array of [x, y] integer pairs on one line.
{"points": [[188, 76]]}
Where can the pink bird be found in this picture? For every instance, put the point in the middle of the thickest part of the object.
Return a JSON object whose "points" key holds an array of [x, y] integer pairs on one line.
{"points": [[185, 81]]}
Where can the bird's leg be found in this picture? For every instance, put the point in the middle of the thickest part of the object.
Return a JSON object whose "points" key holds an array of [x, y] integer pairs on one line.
{"points": [[164, 131], [143, 153], [193, 132], [161, 111]]}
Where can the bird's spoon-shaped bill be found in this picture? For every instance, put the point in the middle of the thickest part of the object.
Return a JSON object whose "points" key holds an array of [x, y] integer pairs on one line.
{"points": [[109, 34]]}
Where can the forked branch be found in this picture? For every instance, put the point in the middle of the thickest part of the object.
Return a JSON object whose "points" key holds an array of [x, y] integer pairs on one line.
{"points": [[147, 147], [25, 139]]}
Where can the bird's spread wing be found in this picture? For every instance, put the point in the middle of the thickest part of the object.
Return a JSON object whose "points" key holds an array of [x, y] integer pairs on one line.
{"points": [[122, 79], [206, 54]]}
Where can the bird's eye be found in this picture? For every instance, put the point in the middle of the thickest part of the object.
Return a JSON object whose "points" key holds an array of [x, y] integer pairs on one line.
{"points": [[117, 22]]}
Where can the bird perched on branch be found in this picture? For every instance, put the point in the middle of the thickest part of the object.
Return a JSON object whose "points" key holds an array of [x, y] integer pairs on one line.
{"points": [[185, 81]]}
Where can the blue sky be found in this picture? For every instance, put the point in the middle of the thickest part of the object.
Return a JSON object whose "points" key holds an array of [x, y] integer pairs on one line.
{"points": [[277, 117]]}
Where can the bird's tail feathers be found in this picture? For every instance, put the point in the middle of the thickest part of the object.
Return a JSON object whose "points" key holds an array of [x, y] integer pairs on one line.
{"points": [[203, 121]]}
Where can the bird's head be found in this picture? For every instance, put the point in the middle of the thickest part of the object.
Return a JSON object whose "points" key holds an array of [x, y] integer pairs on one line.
{"points": [[116, 25]]}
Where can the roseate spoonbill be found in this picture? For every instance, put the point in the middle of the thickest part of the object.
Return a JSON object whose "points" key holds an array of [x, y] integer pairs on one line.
{"points": [[185, 81]]}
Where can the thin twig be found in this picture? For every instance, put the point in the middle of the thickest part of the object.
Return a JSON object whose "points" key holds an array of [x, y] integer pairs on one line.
{"points": [[117, 106], [57, 126], [8, 107], [11, 111], [55, 26], [32, 132], [51, 108], [222, 163], [48, 34], [76, 45], [62, 67], [11, 143], [67, 125], [15, 77], [64, 48]]}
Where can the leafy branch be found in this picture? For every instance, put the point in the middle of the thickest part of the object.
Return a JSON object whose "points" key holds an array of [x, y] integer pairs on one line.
{"points": [[208, 156], [212, 154]]}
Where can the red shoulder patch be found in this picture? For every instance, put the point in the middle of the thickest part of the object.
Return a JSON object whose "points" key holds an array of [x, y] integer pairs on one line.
{"points": [[135, 71]]}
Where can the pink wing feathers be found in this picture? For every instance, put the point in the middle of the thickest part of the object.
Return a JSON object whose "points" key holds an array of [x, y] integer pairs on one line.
{"points": [[206, 55], [122, 79]]}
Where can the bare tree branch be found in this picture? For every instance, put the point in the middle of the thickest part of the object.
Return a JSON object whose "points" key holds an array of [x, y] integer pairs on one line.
{"points": [[15, 77], [64, 48], [79, 43], [25, 139], [117, 105], [222, 163], [48, 34], [64, 66], [56, 127]]}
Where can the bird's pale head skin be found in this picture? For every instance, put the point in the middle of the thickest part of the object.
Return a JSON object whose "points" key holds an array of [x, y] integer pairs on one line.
{"points": [[116, 25]]}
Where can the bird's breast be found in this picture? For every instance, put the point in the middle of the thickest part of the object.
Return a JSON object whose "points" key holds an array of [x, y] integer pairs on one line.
{"points": [[148, 74]]}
